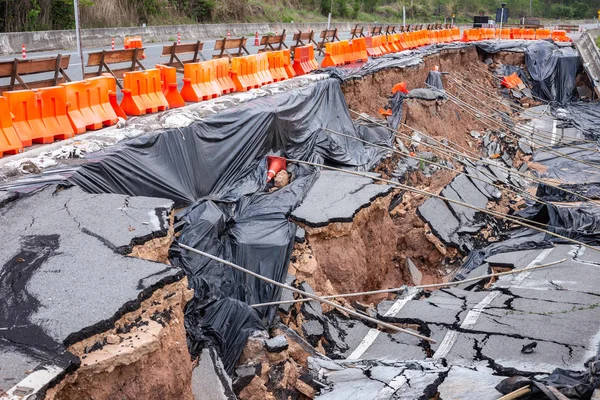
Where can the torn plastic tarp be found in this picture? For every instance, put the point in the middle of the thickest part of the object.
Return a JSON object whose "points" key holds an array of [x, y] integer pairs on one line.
{"points": [[434, 79], [584, 117], [395, 104], [495, 46], [210, 156], [569, 170], [553, 70], [572, 384], [254, 232], [580, 223], [591, 190]]}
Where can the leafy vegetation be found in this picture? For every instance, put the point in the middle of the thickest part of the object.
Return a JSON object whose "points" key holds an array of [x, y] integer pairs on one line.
{"points": [[27, 15]]}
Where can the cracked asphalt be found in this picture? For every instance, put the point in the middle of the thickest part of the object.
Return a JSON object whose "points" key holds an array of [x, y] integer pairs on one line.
{"points": [[63, 275], [482, 335]]}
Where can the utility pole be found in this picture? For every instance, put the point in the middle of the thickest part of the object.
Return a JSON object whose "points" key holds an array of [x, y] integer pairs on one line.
{"points": [[329, 17], [78, 36], [530, 8]]}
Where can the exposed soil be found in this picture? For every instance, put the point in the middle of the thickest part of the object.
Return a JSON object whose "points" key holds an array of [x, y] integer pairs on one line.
{"points": [[370, 253], [144, 357]]}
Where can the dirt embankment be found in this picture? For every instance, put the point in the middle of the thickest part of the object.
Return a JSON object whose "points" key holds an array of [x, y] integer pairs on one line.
{"points": [[145, 356], [371, 252]]}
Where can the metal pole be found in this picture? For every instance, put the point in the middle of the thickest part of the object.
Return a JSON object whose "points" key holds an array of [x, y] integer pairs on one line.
{"points": [[530, 8], [404, 288], [78, 36], [404, 17], [306, 294], [329, 17], [501, 19]]}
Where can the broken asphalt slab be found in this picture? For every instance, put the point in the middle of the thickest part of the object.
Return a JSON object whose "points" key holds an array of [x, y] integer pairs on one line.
{"points": [[337, 197], [63, 277]]}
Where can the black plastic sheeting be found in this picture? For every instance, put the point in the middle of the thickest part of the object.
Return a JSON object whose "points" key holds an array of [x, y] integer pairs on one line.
{"points": [[572, 384], [217, 166], [395, 104], [254, 232], [584, 117], [434, 79], [553, 70], [218, 156], [580, 223]]}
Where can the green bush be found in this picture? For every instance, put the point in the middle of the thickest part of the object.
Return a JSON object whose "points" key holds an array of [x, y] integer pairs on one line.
{"points": [[561, 11]]}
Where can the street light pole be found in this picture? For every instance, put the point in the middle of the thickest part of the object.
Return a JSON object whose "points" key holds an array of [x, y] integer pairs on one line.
{"points": [[329, 17], [78, 36]]}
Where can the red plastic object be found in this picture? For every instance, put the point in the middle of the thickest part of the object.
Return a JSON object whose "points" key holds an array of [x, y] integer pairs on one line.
{"points": [[275, 164]]}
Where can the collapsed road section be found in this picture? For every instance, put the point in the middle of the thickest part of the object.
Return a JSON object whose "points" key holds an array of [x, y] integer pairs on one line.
{"points": [[420, 226]]}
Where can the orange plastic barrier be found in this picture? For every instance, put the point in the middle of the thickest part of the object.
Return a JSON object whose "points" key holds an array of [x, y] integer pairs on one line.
{"points": [[133, 42], [529, 34], [243, 73], [276, 65], [333, 55], [542, 34], [287, 63], [359, 49], [372, 48], [400, 87], [112, 96], [511, 81], [560, 36], [27, 118], [471, 35], [142, 93], [197, 83], [262, 68], [168, 78], [222, 70], [455, 33], [304, 59], [99, 101], [53, 106], [9, 140], [80, 114], [503, 33], [517, 33]]}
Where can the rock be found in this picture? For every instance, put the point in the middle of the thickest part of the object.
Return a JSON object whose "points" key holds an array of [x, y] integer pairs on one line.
{"points": [[305, 389], [113, 339], [254, 351], [311, 309], [244, 375], [524, 146], [415, 274], [313, 330], [276, 344], [475, 134], [256, 390], [300, 235], [282, 179]]}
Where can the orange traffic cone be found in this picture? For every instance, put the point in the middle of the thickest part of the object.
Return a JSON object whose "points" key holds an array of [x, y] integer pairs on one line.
{"points": [[275, 164], [256, 43]]}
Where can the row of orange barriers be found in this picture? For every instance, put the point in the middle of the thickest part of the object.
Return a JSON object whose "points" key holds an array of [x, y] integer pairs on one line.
{"points": [[345, 52], [473, 35], [380, 45], [55, 113]]}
